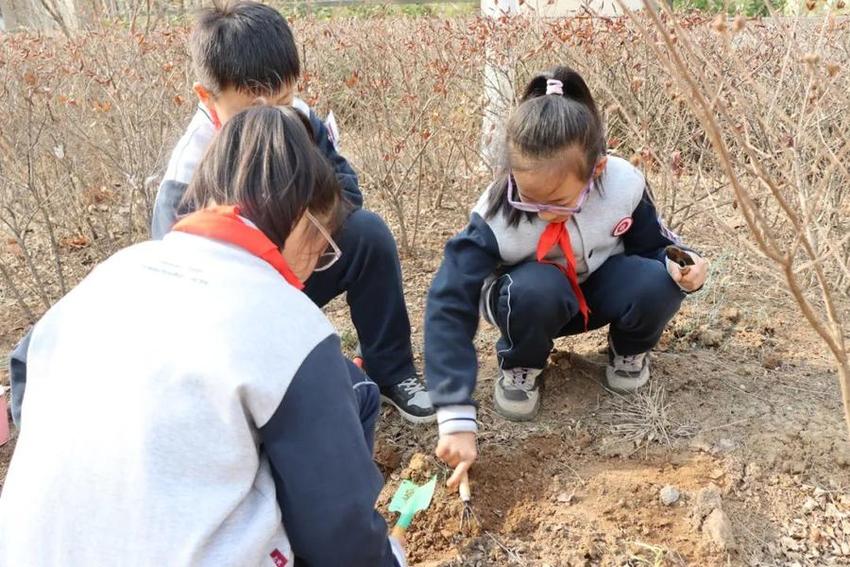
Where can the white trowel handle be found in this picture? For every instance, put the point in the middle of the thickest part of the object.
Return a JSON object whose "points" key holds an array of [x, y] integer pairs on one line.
{"points": [[465, 493]]}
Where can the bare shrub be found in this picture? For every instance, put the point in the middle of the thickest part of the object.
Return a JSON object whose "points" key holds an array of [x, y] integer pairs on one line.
{"points": [[410, 96], [86, 123], [90, 122], [645, 417], [775, 114]]}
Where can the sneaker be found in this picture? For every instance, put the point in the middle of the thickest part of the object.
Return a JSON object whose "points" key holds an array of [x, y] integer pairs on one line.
{"points": [[517, 395], [411, 399], [625, 374]]}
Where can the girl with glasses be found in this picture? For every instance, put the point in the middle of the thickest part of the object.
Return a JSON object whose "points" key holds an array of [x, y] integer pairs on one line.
{"points": [[567, 239], [187, 403]]}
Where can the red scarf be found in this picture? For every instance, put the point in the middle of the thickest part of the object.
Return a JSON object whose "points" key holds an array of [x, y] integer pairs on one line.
{"points": [[556, 234], [223, 223]]}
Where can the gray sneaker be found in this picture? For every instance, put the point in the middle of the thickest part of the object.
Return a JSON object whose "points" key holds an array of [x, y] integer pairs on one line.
{"points": [[409, 396], [625, 374], [517, 394], [411, 399]]}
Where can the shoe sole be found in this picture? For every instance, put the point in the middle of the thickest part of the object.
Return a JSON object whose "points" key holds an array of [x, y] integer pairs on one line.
{"points": [[513, 416], [626, 385], [409, 417]]}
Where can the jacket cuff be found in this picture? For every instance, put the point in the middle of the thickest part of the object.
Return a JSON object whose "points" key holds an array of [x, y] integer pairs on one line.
{"points": [[456, 419], [398, 552]]}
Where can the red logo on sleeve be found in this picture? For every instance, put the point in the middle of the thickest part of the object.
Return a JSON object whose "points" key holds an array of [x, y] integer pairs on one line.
{"points": [[278, 558], [623, 226]]}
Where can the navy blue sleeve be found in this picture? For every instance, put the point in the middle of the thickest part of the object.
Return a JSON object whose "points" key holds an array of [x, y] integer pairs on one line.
{"points": [[165, 207], [451, 314], [344, 172], [326, 481], [18, 376], [648, 236]]}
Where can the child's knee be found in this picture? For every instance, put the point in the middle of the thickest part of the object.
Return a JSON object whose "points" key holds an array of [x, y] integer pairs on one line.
{"points": [[370, 231], [365, 392], [654, 288], [537, 292], [369, 397]]}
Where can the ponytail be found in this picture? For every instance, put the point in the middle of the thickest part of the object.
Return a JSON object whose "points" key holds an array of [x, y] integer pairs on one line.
{"points": [[573, 87]]}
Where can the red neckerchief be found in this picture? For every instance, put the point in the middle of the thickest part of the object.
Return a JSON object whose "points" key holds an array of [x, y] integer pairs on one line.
{"points": [[212, 115], [556, 234], [223, 223]]}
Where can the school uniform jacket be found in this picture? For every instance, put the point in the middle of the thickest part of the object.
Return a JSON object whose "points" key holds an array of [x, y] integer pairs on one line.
{"points": [[198, 412], [193, 144], [618, 217]]}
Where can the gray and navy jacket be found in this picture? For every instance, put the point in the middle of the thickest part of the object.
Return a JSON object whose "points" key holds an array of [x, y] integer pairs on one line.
{"points": [[190, 149], [619, 217], [228, 436]]}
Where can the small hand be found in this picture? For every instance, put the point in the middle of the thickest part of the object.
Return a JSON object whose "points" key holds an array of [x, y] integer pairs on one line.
{"points": [[459, 451], [689, 278]]}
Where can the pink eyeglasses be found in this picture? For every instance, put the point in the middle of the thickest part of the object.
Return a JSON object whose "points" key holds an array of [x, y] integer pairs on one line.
{"points": [[542, 207]]}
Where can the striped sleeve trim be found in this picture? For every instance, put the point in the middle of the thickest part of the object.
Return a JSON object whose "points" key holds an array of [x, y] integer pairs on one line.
{"points": [[398, 552], [456, 419]]}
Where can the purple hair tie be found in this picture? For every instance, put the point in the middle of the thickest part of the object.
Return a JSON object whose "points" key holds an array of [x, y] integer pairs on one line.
{"points": [[554, 86]]}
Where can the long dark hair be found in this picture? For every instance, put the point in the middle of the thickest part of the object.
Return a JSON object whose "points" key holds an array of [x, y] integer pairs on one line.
{"points": [[265, 161], [543, 126]]}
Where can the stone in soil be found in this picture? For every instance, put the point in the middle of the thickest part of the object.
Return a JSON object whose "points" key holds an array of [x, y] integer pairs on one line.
{"points": [[565, 498], [810, 504], [669, 495], [707, 499], [718, 530]]}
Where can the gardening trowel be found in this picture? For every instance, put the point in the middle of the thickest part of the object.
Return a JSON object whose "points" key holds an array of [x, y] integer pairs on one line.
{"points": [[409, 499], [468, 517]]}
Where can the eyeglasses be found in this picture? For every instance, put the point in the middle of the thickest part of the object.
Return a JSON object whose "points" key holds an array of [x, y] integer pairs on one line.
{"points": [[332, 253], [542, 207]]}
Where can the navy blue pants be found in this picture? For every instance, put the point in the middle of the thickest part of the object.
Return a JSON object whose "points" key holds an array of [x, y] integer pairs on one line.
{"points": [[368, 401], [533, 304], [370, 273]]}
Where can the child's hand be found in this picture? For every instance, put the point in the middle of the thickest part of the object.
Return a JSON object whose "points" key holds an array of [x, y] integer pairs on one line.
{"points": [[459, 451], [689, 278]]}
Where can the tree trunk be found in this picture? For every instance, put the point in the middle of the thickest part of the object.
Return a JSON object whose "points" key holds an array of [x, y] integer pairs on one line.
{"points": [[844, 381], [40, 15]]}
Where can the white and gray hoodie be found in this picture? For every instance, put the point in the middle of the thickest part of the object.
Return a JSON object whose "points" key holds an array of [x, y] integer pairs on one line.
{"points": [[193, 144], [228, 436], [619, 217]]}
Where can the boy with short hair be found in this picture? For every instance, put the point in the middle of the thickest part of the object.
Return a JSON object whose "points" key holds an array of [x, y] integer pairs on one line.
{"points": [[245, 51]]}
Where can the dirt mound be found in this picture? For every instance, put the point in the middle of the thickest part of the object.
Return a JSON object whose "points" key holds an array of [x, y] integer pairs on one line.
{"points": [[579, 504]]}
